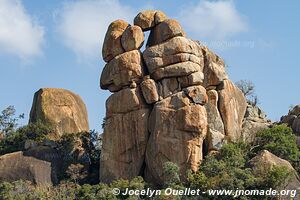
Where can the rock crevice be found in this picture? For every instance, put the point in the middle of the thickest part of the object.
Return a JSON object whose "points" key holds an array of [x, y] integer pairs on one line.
{"points": [[166, 102]]}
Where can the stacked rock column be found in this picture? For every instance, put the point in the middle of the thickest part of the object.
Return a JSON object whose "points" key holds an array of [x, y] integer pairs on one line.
{"points": [[180, 106], [126, 124]]}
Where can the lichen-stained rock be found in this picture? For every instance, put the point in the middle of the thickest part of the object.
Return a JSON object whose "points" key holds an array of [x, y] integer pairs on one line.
{"points": [[112, 43], [266, 161], [190, 80], [232, 106], [147, 19], [164, 31], [216, 132], [124, 142], [63, 110], [125, 101], [132, 38], [15, 166], [177, 128], [176, 70], [122, 71], [175, 50], [149, 89]]}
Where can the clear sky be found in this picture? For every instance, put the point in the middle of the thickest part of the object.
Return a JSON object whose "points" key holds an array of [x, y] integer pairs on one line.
{"points": [[55, 43]]}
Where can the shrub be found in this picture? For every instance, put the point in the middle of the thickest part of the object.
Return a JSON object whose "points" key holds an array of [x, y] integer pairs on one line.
{"points": [[15, 140]]}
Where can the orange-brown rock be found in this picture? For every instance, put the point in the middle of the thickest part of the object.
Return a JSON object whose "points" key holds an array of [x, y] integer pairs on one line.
{"points": [[164, 31], [112, 43], [214, 74], [195, 78], [122, 71], [176, 70], [147, 19], [125, 101], [178, 128], [197, 94], [132, 38], [232, 106], [63, 110], [124, 143], [175, 50], [149, 89], [15, 166]]}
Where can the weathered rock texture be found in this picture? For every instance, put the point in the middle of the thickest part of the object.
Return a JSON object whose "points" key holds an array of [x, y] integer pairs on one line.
{"points": [[63, 110], [172, 102], [254, 121], [16, 166], [265, 161]]}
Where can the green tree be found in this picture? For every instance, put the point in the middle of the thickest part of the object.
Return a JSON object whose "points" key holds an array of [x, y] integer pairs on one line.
{"points": [[8, 120], [281, 141]]}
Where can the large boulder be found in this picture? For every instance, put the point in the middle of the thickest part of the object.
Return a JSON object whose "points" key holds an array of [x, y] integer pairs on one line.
{"points": [[232, 106], [148, 19], [124, 143], [164, 31], [149, 89], [61, 109], [265, 161], [112, 45], [131, 99], [16, 166], [121, 71], [175, 50], [132, 38], [178, 127]]}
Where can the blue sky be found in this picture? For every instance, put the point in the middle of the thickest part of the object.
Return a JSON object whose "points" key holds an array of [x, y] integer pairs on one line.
{"points": [[57, 43]]}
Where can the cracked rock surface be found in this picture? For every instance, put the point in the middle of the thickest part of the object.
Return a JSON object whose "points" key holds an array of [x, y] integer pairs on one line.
{"points": [[171, 102]]}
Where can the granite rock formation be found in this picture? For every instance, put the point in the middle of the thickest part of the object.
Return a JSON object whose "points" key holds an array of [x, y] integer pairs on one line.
{"points": [[254, 121], [171, 102], [61, 109], [265, 161], [17, 166], [292, 119]]}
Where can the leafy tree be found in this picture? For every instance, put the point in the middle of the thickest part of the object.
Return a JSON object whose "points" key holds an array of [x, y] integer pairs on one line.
{"points": [[8, 120], [16, 139], [281, 141], [171, 174]]}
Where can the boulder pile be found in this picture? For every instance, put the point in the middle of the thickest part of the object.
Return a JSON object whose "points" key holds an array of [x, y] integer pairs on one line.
{"points": [[171, 102]]}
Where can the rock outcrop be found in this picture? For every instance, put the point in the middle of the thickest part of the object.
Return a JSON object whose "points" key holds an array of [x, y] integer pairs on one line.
{"points": [[17, 166], [292, 119], [265, 161], [171, 102], [254, 121], [61, 109]]}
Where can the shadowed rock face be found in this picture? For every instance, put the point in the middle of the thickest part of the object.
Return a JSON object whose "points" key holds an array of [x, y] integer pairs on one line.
{"points": [[63, 110], [17, 166], [173, 103]]}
